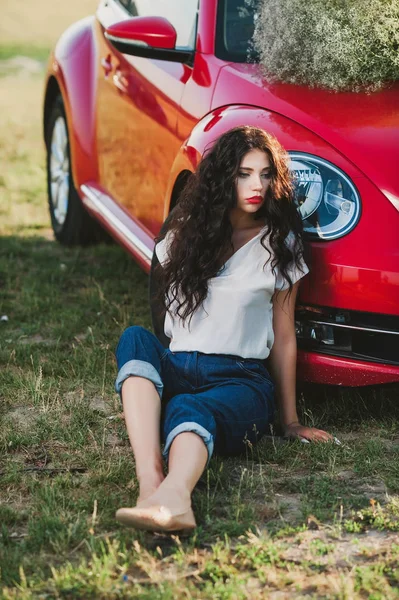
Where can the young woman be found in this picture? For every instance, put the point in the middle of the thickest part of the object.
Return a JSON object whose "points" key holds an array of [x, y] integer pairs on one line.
{"points": [[230, 261]]}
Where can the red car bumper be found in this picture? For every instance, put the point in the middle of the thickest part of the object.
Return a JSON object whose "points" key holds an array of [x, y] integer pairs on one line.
{"points": [[334, 370]]}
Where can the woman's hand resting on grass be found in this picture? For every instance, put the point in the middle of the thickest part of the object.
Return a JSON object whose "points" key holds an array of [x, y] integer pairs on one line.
{"points": [[296, 430]]}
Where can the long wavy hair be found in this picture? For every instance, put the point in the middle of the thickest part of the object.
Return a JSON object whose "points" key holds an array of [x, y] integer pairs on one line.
{"points": [[200, 223]]}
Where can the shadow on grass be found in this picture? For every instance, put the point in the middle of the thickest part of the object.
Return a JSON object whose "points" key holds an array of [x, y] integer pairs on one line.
{"points": [[349, 407]]}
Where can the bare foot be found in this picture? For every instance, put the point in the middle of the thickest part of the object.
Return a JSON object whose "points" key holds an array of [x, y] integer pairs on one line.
{"points": [[175, 500], [157, 518], [168, 509]]}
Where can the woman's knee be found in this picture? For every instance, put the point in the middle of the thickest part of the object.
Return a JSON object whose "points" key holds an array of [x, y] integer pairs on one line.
{"points": [[133, 341], [139, 353], [184, 413], [132, 334], [185, 408]]}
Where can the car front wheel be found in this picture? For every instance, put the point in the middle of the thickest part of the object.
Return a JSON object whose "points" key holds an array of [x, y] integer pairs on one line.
{"points": [[71, 223]]}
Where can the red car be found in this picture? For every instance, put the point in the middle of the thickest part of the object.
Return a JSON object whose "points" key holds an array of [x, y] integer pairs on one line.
{"points": [[136, 93]]}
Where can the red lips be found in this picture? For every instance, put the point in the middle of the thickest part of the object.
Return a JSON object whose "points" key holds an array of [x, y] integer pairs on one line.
{"points": [[255, 200]]}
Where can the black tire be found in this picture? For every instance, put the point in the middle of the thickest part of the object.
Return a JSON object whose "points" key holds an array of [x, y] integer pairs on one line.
{"points": [[72, 225]]}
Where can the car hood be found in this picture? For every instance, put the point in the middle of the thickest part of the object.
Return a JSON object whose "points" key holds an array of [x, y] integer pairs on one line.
{"points": [[362, 127]]}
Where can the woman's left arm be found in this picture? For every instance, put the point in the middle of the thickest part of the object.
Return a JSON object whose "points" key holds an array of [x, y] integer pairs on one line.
{"points": [[282, 361]]}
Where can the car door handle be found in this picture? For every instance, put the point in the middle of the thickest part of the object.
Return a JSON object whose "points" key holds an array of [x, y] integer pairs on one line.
{"points": [[106, 64], [121, 81]]}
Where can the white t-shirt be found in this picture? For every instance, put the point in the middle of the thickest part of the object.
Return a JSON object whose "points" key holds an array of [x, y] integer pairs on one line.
{"points": [[237, 315]]}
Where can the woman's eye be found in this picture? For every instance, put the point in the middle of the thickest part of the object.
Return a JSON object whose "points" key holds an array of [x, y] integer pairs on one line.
{"points": [[263, 175]]}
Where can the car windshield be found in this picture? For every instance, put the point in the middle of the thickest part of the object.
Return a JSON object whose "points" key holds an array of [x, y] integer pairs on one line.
{"points": [[235, 28]]}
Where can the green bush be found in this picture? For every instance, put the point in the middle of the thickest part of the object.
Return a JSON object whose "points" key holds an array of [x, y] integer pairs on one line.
{"points": [[348, 45]]}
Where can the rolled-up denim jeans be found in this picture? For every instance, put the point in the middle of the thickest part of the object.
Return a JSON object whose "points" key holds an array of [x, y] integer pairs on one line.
{"points": [[227, 400]]}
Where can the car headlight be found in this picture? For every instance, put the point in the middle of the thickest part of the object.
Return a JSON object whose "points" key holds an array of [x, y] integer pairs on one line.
{"points": [[327, 200]]}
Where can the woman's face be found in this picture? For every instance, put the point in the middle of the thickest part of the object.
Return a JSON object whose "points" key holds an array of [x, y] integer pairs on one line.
{"points": [[252, 181]]}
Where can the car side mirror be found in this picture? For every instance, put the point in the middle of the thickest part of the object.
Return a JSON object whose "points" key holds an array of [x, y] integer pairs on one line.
{"points": [[150, 37]]}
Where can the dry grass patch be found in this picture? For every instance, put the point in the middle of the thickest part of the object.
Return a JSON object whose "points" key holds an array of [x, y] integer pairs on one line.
{"points": [[305, 564]]}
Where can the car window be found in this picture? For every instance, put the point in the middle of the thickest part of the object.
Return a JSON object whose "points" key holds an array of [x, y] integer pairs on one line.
{"points": [[130, 6], [235, 29], [182, 14]]}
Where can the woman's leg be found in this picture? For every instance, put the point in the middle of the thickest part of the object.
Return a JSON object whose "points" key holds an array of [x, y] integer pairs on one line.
{"points": [[238, 407], [139, 355], [239, 410], [188, 457], [142, 409], [189, 429]]}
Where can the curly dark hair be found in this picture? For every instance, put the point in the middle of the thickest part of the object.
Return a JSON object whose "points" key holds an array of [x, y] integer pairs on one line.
{"points": [[202, 231]]}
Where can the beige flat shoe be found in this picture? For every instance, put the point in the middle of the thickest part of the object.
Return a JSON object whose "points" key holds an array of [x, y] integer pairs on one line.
{"points": [[156, 518]]}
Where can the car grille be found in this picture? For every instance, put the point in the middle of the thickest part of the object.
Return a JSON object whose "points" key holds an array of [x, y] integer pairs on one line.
{"points": [[351, 334]]}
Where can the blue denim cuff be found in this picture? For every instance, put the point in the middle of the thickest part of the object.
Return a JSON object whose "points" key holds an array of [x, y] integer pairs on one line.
{"points": [[195, 428], [141, 368]]}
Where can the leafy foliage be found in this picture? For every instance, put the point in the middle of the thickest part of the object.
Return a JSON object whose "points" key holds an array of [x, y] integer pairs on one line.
{"points": [[341, 45]]}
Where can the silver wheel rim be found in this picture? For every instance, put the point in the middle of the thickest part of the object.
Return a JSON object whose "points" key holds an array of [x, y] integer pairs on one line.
{"points": [[59, 170]]}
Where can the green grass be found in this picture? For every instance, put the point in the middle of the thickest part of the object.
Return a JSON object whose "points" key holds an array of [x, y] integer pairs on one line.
{"points": [[39, 53], [284, 518]]}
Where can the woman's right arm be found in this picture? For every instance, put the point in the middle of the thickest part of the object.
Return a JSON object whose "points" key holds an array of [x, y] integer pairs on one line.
{"points": [[283, 357]]}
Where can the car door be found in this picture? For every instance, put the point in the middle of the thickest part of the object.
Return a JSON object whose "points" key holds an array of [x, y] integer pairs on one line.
{"points": [[138, 101]]}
